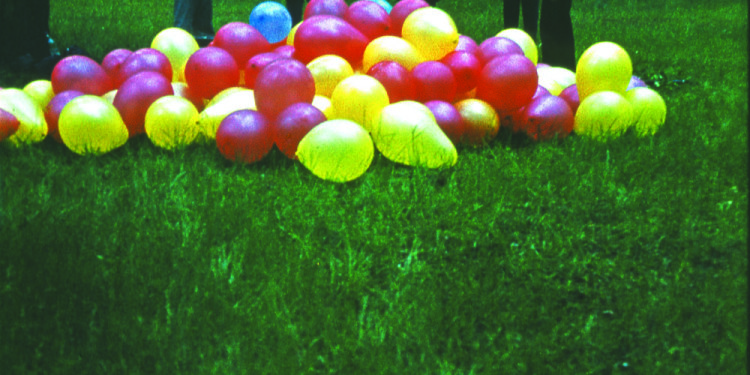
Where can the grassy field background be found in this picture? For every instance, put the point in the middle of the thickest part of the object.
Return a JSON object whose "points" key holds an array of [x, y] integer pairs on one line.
{"points": [[569, 257]]}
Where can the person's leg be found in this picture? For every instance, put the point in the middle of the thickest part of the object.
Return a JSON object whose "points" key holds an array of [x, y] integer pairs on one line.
{"points": [[295, 8], [511, 9], [203, 19], [556, 29], [183, 14], [530, 9]]}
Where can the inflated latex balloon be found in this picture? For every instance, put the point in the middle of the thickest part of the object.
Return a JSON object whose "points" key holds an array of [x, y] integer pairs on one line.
{"points": [[256, 64], [403, 9], [467, 44], [32, 126], [603, 115], [41, 91], [562, 76], [434, 80], [649, 110], [272, 20], [145, 60], [432, 31], [384, 4], [507, 82], [497, 46], [359, 98], [636, 81], [407, 132], [605, 66], [281, 84], [211, 70], [369, 18], [242, 41], [335, 8], [323, 103], [481, 120], [292, 33], [182, 90], [90, 125], [397, 80], [524, 40], [336, 150], [8, 124], [110, 96], [171, 122], [293, 124], [570, 95], [328, 71], [113, 61], [549, 84], [449, 120], [391, 48], [547, 117], [53, 110], [465, 67], [329, 35], [137, 94], [223, 104], [245, 136], [285, 51], [80, 73], [177, 44]]}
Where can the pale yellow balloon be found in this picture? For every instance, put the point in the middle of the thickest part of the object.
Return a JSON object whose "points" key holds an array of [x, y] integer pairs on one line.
{"points": [[328, 71], [359, 98], [40, 91], [110, 96], [649, 110], [32, 126], [171, 122], [562, 77], [391, 48], [603, 115], [90, 125], [221, 106], [432, 31], [292, 33], [524, 40], [323, 103], [605, 66], [550, 84], [178, 45], [336, 150]]}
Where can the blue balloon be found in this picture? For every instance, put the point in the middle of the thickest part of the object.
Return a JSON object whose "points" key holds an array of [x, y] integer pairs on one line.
{"points": [[272, 20], [386, 5]]}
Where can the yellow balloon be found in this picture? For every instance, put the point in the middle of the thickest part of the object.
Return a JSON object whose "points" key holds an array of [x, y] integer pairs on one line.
{"points": [[359, 98], [407, 132], [562, 77], [336, 150], [323, 103], [171, 122], [603, 115], [481, 120], [524, 40], [432, 31], [32, 126], [391, 48], [328, 71], [605, 66], [40, 91], [178, 45], [222, 105], [292, 33], [90, 125], [550, 84], [649, 110]]}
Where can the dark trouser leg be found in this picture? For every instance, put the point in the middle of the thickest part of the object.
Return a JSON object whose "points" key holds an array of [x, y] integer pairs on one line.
{"points": [[25, 25], [511, 9], [556, 29], [530, 17], [295, 10], [183, 14], [203, 20]]}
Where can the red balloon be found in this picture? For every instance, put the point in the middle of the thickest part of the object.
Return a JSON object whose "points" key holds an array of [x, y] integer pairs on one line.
{"points": [[465, 43], [396, 79], [403, 9], [53, 110], [293, 124], [507, 82], [465, 67], [210, 70], [244, 136], [497, 46], [80, 73], [369, 18], [336, 8], [329, 35], [570, 95], [547, 117], [112, 63], [241, 40], [282, 83], [256, 64], [145, 60], [285, 51], [137, 94], [540, 91], [8, 124], [449, 120], [434, 80]]}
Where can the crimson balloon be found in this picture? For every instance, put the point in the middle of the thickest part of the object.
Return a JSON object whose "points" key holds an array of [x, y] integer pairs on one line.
{"points": [[293, 124], [434, 80], [336, 8], [547, 117], [449, 120], [211, 70], [282, 83], [145, 60], [497, 46], [53, 110], [80, 73], [329, 35], [245, 136], [8, 124], [465, 67], [256, 64], [570, 95], [241, 40], [113, 61], [137, 94], [508, 82], [396, 79], [369, 18]]}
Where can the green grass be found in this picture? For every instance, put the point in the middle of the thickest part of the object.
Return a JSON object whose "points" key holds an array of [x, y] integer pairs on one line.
{"points": [[569, 257]]}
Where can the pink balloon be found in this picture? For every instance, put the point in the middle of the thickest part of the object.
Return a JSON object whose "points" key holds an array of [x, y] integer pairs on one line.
{"points": [[403, 9], [570, 95], [256, 64], [507, 82], [336, 8], [285, 51], [540, 91], [293, 124], [542, 65], [396, 79], [465, 43], [137, 94], [244, 136], [53, 110], [369, 18], [434, 80], [210, 70], [548, 117], [282, 83], [80, 73], [112, 63], [465, 67], [145, 60], [329, 35], [497, 46], [449, 120], [241, 40], [8, 124]]}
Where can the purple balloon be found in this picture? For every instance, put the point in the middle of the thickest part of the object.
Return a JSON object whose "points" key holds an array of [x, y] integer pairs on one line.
{"points": [[570, 95], [497, 46], [244, 136], [465, 43], [449, 120], [636, 81], [547, 117], [293, 124]]}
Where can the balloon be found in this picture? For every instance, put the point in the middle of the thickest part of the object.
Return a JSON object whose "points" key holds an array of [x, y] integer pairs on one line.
{"points": [[241, 40], [636, 81], [53, 110], [540, 91], [244, 136], [256, 64], [90, 125], [323, 103], [605, 66], [649, 110], [449, 120], [548, 117], [293, 124], [272, 20], [497, 46], [329, 35], [507, 82], [336, 8], [406, 132], [403, 9], [171, 122], [292, 33], [391, 48], [548, 83], [177, 44], [40, 91], [8, 124], [384, 4], [328, 71], [110, 96], [524, 40], [222, 105], [281, 84], [32, 126], [563, 77], [603, 115], [397, 80], [145, 60], [113, 61], [465, 67], [211, 70], [433, 80], [285, 51], [432, 31], [135, 96], [336, 150], [182, 90], [359, 98], [369, 18], [570, 95], [80, 73], [481, 120], [465, 43]]}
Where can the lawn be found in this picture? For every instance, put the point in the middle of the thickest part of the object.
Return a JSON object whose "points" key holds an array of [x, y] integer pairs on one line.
{"points": [[560, 257]]}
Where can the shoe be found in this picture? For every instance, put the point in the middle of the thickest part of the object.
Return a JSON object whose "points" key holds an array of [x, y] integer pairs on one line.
{"points": [[202, 38]]}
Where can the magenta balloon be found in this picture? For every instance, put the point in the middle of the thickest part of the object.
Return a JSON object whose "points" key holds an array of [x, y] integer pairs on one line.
{"points": [[293, 124], [241, 40], [396, 79], [8, 124], [507, 82], [145, 60], [570, 95], [434, 80], [449, 120], [636, 81], [80, 73], [466, 43], [548, 117], [285, 51], [256, 64], [336, 8], [112, 63], [369, 18], [136, 94], [245, 136], [497, 46], [540, 91], [282, 83], [210, 70], [53, 110], [329, 35], [465, 67], [403, 9]]}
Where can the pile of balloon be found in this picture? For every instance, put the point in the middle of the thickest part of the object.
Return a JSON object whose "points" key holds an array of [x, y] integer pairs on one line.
{"points": [[331, 89]]}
